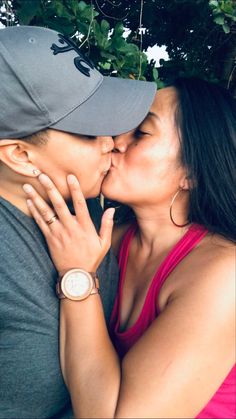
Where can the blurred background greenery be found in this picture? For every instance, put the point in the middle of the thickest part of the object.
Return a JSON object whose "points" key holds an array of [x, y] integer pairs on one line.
{"points": [[198, 35]]}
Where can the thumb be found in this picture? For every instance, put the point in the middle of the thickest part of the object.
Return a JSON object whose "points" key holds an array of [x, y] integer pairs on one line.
{"points": [[106, 228]]}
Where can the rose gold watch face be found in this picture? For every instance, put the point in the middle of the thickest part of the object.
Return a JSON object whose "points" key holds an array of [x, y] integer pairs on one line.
{"points": [[77, 285]]}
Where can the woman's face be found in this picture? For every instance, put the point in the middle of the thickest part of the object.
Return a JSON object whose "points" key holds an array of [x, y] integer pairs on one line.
{"points": [[145, 163]]}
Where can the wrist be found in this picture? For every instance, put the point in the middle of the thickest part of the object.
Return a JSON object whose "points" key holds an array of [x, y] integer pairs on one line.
{"points": [[76, 284], [62, 272]]}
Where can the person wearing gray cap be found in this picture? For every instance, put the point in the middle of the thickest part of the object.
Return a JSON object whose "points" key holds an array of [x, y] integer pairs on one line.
{"points": [[58, 114]]}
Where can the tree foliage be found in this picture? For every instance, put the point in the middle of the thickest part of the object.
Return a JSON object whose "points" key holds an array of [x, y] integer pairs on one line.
{"points": [[199, 35]]}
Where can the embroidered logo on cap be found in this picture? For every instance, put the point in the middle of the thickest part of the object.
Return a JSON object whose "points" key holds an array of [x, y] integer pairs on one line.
{"points": [[78, 61]]}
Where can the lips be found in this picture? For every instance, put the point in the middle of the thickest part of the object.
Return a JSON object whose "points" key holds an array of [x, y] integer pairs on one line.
{"points": [[113, 158], [106, 170]]}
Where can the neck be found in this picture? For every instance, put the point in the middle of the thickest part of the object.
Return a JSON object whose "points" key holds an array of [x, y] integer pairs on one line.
{"points": [[11, 190], [156, 230], [14, 194]]}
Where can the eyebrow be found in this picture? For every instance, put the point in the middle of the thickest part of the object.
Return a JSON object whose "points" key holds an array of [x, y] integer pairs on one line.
{"points": [[153, 114]]}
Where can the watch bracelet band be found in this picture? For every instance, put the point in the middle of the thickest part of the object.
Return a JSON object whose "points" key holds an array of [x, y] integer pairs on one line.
{"points": [[95, 289]]}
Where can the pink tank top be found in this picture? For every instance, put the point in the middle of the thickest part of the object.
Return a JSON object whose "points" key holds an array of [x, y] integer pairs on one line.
{"points": [[223, 403]]}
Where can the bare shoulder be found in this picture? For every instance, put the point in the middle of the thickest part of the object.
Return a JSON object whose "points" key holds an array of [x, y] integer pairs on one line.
{"points": [[212, 264], [117, 236], [216, 253], [209, 270]]}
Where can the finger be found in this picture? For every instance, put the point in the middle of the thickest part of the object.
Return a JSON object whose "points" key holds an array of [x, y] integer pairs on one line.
{"points": [[42, 207], [38, 218], [56, 199], [106, 228], [79, 203]]}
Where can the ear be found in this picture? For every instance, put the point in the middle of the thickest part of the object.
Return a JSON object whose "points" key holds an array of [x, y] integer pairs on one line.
{"points": [[17, 155], [186, 183]]}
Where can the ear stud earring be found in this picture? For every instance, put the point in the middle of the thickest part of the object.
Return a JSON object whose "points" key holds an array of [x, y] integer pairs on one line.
{"points": [[36, 172]]}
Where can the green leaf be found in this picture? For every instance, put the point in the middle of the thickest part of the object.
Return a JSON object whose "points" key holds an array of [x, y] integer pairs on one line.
{"points": [[131, 48], [160, 84], [217, 12], [155, 73], [162, 61], [62, 12], [227, 8], [87, 13], [105, 66], [119, 44], [213, 3], [28, 9], [97, 33], [105, 26], [83, 27], [82, 6], [119, 29], [108, 56], [220, 20], [74, 5], [107, 44], [226, 28], [61, 25], [96, 29], [142, 78]]}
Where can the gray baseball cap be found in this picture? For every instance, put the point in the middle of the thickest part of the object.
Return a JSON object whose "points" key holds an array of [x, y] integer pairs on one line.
{"points": [[47, 83]]}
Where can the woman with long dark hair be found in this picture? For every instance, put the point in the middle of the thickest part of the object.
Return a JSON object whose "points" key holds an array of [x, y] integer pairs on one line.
{"points": [[170, 348]]}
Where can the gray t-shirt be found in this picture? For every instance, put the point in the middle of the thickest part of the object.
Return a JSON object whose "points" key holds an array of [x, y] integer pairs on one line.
{"points": [[31, 384]]}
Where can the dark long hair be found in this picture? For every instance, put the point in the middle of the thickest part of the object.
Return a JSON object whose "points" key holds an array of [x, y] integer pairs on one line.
{"points": [[206, 121]]}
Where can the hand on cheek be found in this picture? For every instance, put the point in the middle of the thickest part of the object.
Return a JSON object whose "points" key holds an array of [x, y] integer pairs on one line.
{"points": [[72, 239]]}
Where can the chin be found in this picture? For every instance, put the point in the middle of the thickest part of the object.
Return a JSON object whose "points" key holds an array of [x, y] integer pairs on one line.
{"points": [[107, 187], [110, 194], [105, 191], [93, 192], [113, 189]]}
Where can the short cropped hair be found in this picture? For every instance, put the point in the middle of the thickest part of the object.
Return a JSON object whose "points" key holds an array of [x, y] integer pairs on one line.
{"points": [[38, 138]]}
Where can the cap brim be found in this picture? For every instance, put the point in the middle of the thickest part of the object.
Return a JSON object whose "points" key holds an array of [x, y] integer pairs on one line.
{"points": [[117, 106]]}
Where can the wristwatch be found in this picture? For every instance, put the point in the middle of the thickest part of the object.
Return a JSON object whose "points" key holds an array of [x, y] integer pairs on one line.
{"points": [[77, 285]]}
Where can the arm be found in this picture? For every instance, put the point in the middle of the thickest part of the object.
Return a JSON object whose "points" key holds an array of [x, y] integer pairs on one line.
{"points": [[177, 365], [172, 371]]}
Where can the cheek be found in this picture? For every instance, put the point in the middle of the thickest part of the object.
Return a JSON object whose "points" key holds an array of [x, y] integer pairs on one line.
{"points": [[139, 167], [58, 167], [142, 175]]}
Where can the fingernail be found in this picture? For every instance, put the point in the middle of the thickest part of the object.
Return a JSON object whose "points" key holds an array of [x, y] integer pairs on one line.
{"points": [[110, 213], [72, 179], [29, 202], [27, 188], [43, 178]]}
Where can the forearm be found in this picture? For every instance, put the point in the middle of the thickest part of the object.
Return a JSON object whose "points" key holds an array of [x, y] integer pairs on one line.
{"points": [[90, 365]]}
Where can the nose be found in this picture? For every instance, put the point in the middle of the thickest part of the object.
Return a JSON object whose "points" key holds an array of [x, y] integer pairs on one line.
{"points": [[107, 144], [122, 142]]}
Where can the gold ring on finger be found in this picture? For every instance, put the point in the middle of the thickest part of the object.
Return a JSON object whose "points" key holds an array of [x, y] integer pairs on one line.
{"points": [[54, 218]]}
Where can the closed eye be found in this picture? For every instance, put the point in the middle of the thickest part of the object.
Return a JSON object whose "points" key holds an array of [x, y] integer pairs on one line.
{"points": [[138, 133], [87, 137]]}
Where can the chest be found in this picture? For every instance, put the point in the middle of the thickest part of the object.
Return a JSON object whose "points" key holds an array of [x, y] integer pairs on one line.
{"points": [[138, 278]]}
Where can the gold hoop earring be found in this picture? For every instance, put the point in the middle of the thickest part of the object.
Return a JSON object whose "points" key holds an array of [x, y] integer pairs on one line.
{"points": [[171, 208]]}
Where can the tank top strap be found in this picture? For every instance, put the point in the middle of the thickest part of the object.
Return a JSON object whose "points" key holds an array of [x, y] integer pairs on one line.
{"points": [[122, 262], [150, 309], [183, 247], [191, 238], [124, 250]]}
